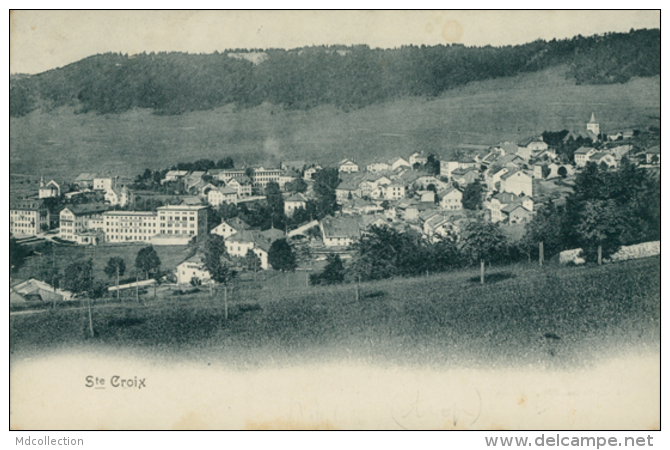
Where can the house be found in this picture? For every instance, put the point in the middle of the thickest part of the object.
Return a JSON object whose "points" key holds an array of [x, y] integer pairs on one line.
{"points": [[241, 242], [174, 175], [620, 151], [103, 183], [584, 135], [417, 158], [223, 194], [287, 177], [498, 202], [295, 201], [310, 171], [28, 217], [451, 199], [118, 197], [603, 158], [226, 175], [439, 227], [653, 155], [192, 268], [358, 206], [191, 200], [531, 145], [192, 179], [516, 213], [392, 191], [293, 165], [273, 234], [347, 166], [582, 155], [229, 227], [85, 180], [263, 176], [398, 163], [38, 290], [378, 165], [492, 179], [426, 196], [504, 148], [517, 182], [49, 190], [462, 162], [510, 161], [465, 176], [242, 184], [348, 189], [76, 221], [545, 155], [339, 231]]}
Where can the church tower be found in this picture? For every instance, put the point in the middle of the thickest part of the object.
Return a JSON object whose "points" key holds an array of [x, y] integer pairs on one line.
{"points": [[593, 125]]}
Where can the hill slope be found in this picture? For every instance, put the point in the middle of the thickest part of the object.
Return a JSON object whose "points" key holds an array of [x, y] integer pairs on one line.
{"points": [[62, 143]]}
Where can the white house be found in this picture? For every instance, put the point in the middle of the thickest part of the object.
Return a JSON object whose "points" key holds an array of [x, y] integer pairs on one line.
{"points": [[295, 201], [417, 157], [582, 155], [347, 166], [603, 158], [310, 171], [76, 220], [118, 197], [191, 268], [398, 163], [229, 227], [241, 242], [28, 217], [377, 166], [174, 175], [224, 194], [451, 199], [242, 185], [49, 190], [531, 145], [517, 182]]}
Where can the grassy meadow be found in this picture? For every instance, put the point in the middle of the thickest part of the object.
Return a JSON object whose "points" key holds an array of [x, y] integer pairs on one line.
{"points": [[61, 143], [523, 315]]}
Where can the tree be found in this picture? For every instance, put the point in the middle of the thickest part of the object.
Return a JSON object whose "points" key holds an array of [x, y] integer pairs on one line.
{"points": [[17, 254], [600, 225], [432, 165], [252, 261], [281, 256], [116, 266], [483, 241], [333, 273], [562, 172], [545, 171], [147, 261], [545, 227], [215, 248], [325, 183], [472, 196], [297, 185], [78, 276]]}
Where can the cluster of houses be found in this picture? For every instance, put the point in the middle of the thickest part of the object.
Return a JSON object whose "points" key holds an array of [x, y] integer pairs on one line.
{"points": [[400, 192]]}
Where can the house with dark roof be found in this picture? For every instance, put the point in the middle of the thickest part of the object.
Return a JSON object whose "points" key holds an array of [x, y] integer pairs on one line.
{"points": [[518, 182], [653, 155], [229, 227], [339, 231], [29, 216]]}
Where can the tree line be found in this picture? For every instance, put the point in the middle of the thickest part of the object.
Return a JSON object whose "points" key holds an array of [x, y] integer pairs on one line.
{"points": [[347, 77]]}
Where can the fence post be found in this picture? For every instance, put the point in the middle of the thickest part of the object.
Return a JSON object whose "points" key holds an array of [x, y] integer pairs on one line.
{"points": [[225, 302], [482, 267], [90, 317], [358, 288], [541, 254]]}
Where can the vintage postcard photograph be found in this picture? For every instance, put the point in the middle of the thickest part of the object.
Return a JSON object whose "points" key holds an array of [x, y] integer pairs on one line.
{"points": [[335, 220]]}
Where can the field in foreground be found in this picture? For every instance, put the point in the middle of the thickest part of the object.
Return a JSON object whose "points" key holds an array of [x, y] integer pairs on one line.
{"points": [[525, 315]]}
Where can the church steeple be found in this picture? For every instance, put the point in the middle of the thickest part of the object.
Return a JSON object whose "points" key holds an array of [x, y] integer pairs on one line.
{"points": [[593, 126]]}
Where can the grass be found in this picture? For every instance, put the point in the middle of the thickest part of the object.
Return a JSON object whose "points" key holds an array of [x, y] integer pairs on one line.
{"points": [[62, 144], [525, 315]]}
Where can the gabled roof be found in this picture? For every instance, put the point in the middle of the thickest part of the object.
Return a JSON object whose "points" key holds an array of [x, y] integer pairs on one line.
{"points": [[176, 173], [85, 177], [86, 209], [237, 224], [297, 197], [451, 190], [583, 150], [273, 234], [505, 197], [512, 173], [346, 227], [526, 142], [27, 204], [462, 172], [226, 190], [655, 150], [512, 206]]}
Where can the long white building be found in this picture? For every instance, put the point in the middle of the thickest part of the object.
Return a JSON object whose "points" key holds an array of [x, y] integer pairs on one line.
{"points": [[145, 226]]}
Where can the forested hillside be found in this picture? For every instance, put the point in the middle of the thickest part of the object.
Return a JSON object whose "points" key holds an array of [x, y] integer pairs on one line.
{"points": [[347, 77]]}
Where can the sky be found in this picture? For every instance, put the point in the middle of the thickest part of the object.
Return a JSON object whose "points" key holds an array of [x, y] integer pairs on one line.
{"points": [[43, 40]]}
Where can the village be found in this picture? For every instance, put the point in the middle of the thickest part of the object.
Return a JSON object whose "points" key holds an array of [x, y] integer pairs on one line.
{"points": [[317, 210]]}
